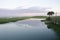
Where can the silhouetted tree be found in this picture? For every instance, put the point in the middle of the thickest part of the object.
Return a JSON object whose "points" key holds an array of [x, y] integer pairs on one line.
{"points": [[50, 13]]}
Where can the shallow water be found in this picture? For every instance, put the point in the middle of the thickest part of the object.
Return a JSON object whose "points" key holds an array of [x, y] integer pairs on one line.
{"points": [[30, 29]]}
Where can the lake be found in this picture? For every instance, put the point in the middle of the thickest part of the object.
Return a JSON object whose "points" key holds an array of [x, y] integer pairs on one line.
{"points": [[29, 29]]}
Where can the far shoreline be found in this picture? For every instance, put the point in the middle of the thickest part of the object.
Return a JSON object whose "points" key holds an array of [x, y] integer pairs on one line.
{"points": [[14, 19]]}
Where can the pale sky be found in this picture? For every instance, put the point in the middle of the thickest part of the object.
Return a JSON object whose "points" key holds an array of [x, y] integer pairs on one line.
{"points": [[12, 4]]}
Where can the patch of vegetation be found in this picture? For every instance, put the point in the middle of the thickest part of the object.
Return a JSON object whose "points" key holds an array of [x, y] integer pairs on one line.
{"points": [[6, 20], [48, 19], [54, 19], [39, 17], [14, 19], [56, 28]]}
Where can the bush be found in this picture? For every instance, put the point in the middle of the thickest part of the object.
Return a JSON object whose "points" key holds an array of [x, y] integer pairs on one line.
{"points": [[48, 19]]}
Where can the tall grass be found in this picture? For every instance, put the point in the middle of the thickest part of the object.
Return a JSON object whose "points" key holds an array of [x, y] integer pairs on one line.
{"points": [[56, 28], [54, 19], [6, 20], [14, 19]]}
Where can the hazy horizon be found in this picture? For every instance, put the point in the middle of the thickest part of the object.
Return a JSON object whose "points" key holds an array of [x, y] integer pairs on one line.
{"points": [[28, 7]]}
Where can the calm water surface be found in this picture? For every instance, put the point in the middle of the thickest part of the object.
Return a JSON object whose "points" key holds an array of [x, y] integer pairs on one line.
{"points": [[30, 29]]}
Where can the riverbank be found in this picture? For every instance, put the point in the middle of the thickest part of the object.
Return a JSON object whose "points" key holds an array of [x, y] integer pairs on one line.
{"points": [[54, 23], [55, 27], [54, 19], [14, 19]]}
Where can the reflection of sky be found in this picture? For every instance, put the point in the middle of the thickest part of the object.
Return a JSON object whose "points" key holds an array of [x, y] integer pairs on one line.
{"points": [[28, 29], [11, 4]]}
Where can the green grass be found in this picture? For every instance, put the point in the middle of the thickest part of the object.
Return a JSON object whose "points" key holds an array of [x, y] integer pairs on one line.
{"points": [[56, 28], [14, 19], [39, 17], [54, 19], [6, 20]]}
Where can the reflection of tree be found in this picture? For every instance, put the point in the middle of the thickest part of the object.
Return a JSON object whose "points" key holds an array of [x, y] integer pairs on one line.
{"points": [[55, 27]]}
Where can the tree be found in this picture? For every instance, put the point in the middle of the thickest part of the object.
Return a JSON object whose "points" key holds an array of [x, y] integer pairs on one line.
{"points": [[50, 13]]}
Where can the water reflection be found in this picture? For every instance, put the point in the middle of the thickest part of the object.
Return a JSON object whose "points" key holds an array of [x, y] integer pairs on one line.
{"points": [[26, 30], [56, 28]]}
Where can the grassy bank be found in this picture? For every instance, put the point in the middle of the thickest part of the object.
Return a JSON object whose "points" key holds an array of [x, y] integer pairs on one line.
{"points": [[39, 17], [14, 19], [56, 28], [54, 23], [55, 19]]}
